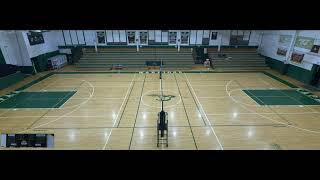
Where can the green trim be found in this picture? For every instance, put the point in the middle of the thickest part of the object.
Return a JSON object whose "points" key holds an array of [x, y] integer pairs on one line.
{"points": [[11, 79], [276, 64], [302, 75], [292, 70], [34, 82], [26, 69], [281, 80], [155, 45]]}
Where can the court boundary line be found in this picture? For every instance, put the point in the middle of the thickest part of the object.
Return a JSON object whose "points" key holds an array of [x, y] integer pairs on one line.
{"points": [[288, 125], [221, 147], [273, 110], [126, 103], [263, 104], [184, 107], [50, 109], [154, 127], [209, 114], [130, 87], [135, 119], [257, 104], [27, 85], [48, 85], [63, 114], [198, 109], [148, 127]]}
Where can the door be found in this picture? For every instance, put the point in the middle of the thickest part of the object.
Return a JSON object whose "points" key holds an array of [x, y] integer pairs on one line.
{"points": [[101, 37]]}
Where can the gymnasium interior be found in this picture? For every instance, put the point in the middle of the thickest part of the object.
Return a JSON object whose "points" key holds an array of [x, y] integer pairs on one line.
{"points": [[160, 89]]}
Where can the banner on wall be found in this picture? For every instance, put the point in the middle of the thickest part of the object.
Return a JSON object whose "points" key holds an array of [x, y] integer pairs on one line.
{"points": [[315, 48], [285, 40], [297, 57], [282, 51], [304, 42], [35, 38]]}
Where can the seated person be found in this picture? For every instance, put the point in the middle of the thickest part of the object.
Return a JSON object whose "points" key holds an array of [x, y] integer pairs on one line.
{"points": [[207, 63]]}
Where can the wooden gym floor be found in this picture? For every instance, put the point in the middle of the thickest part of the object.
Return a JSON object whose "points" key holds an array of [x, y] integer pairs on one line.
{"points": [[115, 111]]}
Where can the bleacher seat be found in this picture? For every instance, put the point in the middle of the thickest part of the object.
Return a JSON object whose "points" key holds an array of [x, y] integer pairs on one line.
{"points": [[237, 59], [105, 58]]}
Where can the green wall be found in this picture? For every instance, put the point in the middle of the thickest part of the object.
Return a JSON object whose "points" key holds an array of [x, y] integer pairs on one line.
{"points": [[298, 73], [157, 45], [301, 74], [277, 65]]}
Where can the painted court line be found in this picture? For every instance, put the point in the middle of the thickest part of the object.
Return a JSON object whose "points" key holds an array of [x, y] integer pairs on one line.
{"points": [[137, 112], [211, 126], [102, 98], [49, 84], [209, 114], [213, 114], [63, 114], [265, 117], [184, 107], [116, 119]]}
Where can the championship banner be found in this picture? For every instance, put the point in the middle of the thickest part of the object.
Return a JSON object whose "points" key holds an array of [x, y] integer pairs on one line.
{"points": [[315, 48], [282, 51]]}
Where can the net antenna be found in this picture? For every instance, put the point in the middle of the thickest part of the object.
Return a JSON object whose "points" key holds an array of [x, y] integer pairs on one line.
{"points": [[162, 127], [160, 68], [161, 88]]}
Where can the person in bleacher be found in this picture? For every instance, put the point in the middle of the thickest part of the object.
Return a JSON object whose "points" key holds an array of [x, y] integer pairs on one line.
{"points": [[207, 63]]}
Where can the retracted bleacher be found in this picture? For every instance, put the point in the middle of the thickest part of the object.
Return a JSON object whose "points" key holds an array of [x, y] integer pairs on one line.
{"points": [[237, 59], [106, 58]]}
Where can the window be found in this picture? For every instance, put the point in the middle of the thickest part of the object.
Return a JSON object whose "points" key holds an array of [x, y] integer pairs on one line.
{"points": [[240, 37], [172, 37], [185, 37], [101, 36], [143, 37], [214, 35], [131, 37]]}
